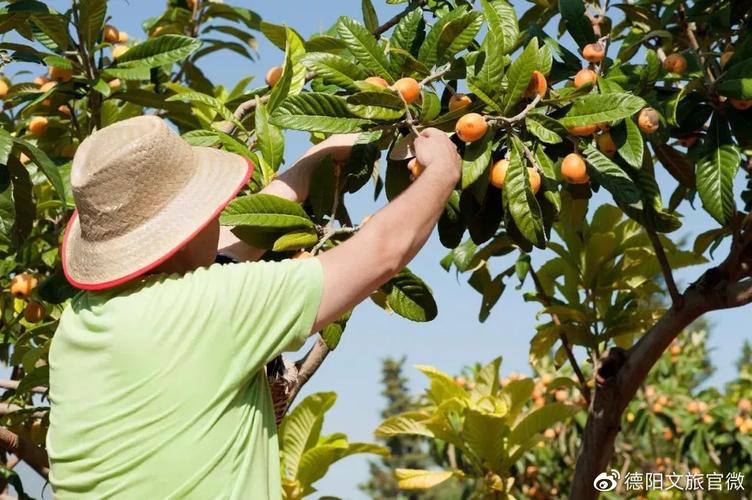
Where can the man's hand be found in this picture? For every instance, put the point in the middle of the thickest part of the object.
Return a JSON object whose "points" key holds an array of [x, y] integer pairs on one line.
{"points": [[434, 149], [394, 235]]}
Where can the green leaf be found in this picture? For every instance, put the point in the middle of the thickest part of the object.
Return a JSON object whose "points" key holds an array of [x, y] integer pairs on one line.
{"points": [[477, 159], [334, 69], [539, 420], [487, 81], [408, 423], [24, 208], [364, 47], [539, 125], [293, 76], [417, 479], [55, 26], [736, 83], [265, 211], [522, 204], [213, 103], [407, 36], [91, 14], [136, 73], [611, 176], [159, 51], [716, 170], [410, 297], [457, 35], [296, 240], [577, 24], [502, 22], [519, 74], [428, 53], [317, 112], [6, 146], [50, 170], [376, 105], [370, 18], [599, 108], [271, 141], [484, 434], [629, 141], [301, 428]]}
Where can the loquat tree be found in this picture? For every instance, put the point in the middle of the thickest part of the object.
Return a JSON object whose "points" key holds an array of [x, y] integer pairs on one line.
{"points": [[649, 98]]}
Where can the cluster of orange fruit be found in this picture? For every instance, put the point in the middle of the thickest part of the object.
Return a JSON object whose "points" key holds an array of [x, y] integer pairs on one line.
{"points": [[21, 287], [743, 421]]}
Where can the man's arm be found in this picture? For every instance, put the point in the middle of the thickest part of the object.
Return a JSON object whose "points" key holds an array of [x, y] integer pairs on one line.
{"points": [[293, 184], [354, 269]]}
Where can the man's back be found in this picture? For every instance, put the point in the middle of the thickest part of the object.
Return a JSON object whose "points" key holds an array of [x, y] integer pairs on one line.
{"points": [[162, 392]]}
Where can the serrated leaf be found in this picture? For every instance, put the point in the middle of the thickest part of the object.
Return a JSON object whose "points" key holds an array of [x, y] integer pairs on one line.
{"points": [[599, 108], [159, 51], [502, 21], [334, 69], [408, 423], [407, 36], [265, 211], [428, 53], [212, 102], [519, 74], [523, 206], [370, 18], [301, 428], [410, 297], [376, 105], [271, 141], [91, 14], [317, 112], [537, 124], [539, 420], [457, 35], [484, 434], [293, 77], [716, 170], [364, 47]]}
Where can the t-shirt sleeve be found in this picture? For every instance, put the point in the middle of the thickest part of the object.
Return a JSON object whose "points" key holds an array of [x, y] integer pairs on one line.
{"points": [[268, 307]]}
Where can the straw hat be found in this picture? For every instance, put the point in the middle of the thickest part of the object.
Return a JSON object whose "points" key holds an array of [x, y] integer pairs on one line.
{"points": [[141, 193]]}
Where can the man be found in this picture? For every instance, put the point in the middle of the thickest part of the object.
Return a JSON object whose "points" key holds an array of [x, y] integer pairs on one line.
{"points": [[156, 370]]}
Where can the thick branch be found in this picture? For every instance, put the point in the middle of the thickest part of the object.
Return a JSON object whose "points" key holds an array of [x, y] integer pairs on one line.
{"points": [[668, 275], [33, 455]]}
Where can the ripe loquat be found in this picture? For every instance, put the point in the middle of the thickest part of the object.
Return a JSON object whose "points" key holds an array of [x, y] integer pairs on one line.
{"points": [[574, 170], [458, 101], [408, 89], [471, 127]]}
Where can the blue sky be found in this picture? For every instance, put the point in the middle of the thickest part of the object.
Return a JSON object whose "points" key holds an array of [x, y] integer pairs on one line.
{"points": [[455, 338]]}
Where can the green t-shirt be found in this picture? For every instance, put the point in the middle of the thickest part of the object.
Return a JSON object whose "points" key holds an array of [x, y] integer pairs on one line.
{"points": [[158, 387]]}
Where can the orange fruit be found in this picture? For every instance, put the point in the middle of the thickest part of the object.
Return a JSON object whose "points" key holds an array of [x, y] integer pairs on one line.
{"points": [[708, 419], [63, 109], [408, 88], [535, 179], [537, 85], [561, 395], [549, 434], [726, 56], [606, 144], [273, 75], [585, 76], [574, 170], [668, 435], [378, 81], [603, 126], [744, 405], [693, 407], [499, 173], [675, 350], [471, 127], [115, 84], [123, 37], [22, 284], [657, 408], [688, 140], [38, 125], [4, 87], [46, 87], [111, 34], [675, 63], [302, 254], [415, 168], [34, 312], [583, 130], [41, 80], [119, 51], [648, 120], [594, 52], [61, 75], [740, 104], [459, 101]]}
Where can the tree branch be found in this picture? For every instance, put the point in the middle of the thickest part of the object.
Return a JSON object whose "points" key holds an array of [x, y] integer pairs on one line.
{"points": [[668, 275], [308, 366], [397, 18], [33, 455], [519, 116]]}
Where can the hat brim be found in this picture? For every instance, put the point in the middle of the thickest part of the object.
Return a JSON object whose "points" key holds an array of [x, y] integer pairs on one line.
{"points": [[96, 265]]}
